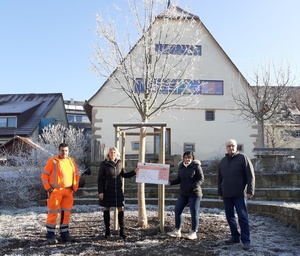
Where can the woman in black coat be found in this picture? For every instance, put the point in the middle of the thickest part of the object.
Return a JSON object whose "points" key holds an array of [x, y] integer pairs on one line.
{"points": [[190, 177], [110, 188]]}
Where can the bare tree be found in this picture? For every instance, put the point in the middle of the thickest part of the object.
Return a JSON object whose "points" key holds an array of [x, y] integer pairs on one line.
{"points": [[79, 144], [154, 70], [268, 101], [26, 161]]}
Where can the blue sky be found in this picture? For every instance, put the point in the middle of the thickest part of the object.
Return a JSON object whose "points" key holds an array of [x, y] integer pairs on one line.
{"points": [[45, 44]]}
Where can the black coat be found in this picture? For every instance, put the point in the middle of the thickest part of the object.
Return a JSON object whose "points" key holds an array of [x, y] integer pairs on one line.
{"points": [[190, 179], [110, 183], [236, 176]]}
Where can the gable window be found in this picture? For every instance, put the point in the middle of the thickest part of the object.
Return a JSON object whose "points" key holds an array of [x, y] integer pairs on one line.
{"points": [[209, 115], [178, 49], [180, 86], [189, 147], [8, 121]]}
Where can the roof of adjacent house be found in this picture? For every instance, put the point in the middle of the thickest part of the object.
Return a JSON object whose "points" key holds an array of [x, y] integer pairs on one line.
{"points": [[27, 141], [29, 108]]}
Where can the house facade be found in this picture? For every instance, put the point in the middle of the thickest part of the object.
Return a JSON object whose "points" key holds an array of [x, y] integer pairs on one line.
{"points": [[27, 114], [204, 124], [77, 116]]}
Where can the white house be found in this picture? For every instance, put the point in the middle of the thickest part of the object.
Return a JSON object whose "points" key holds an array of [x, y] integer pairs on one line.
{"points": [[206, 123]]}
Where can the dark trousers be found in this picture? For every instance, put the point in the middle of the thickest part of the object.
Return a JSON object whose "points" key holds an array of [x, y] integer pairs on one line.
{"points": [[239, 204]]}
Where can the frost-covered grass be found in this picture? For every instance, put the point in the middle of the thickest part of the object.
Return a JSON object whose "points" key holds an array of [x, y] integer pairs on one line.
{"points": [[25, 227]]}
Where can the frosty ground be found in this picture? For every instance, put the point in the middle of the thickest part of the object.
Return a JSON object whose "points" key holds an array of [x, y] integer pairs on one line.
{"points": [[22, 232]]}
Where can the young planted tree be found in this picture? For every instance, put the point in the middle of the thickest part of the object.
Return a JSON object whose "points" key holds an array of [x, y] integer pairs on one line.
{"points": [[153, 61], [268, 101]]}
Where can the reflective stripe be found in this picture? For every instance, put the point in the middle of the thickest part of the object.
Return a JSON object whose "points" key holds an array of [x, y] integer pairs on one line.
{"points": [[54, 211], [64, 227], [66, 210], [50, 229], [48, 225]]}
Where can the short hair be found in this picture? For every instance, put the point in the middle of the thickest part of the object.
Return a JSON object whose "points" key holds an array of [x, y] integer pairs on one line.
{"points": [[117, 153], [62, 145], [231, 142], [188, 154]]}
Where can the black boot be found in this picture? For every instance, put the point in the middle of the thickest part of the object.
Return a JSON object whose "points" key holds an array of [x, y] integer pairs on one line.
{"points": [[121, 224], [106, 216]]}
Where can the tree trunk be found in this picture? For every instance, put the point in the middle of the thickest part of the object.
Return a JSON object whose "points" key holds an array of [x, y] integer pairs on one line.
{"points": [[262, 127]]}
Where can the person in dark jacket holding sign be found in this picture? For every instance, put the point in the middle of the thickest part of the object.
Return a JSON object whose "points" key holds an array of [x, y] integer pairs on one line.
{"points": [[190, 177], [236, 184], [110, 188]]}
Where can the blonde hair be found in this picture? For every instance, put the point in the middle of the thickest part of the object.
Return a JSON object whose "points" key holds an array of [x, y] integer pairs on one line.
{"points": [[117, 153]]}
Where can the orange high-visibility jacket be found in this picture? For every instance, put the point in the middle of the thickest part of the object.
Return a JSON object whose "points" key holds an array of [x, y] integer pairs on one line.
{"points": [[52, 176]]}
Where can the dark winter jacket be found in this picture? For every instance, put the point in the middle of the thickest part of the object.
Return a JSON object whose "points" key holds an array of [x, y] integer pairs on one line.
{"points": [[236, 176], [190, 179], [110, 183]]}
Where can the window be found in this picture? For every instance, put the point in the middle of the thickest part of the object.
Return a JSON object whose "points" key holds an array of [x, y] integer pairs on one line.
{"points": [[178, 49], [135, 145], [189, 147], [297, 119], [240, 147], [8, 121], [167, 142], [181, 86], [75, 118], [209, 115], [297, 134]]}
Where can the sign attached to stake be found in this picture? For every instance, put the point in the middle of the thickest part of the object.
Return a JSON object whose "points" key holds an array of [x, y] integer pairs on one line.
{"points": [[153, 173]]}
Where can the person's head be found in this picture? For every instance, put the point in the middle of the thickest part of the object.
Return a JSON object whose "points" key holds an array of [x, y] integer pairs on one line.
{"points": [[231, 147], [113, 154], [188, 157], [63, 150]]}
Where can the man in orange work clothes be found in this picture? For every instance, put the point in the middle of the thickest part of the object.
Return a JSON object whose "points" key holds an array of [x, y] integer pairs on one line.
{"points": [[60, 179]]}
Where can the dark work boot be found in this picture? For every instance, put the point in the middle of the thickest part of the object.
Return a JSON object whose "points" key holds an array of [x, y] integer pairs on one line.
{"points": [[106, 216], [121, 224]]}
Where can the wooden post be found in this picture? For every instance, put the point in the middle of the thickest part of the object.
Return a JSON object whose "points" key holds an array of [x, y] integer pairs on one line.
{"points": [[117, 145], [161, 187]]}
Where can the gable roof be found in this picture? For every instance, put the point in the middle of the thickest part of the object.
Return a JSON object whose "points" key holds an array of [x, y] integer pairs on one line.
{"points": [[172, 12], [29, 108]]}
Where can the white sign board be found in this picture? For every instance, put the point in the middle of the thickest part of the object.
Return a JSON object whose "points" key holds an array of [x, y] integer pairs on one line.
{"points": [[153, 173]]}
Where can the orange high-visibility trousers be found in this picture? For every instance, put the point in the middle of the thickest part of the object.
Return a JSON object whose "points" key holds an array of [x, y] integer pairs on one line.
{"points": [[59, 201]]}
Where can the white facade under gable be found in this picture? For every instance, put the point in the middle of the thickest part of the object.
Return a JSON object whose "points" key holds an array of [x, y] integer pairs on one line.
{"points": [[188, 126]]}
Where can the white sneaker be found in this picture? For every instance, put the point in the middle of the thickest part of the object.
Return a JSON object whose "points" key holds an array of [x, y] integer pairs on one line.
{"points": [[192, 235], [175, 233]]}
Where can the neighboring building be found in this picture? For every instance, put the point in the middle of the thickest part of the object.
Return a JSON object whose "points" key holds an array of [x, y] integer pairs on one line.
{"points": [[77, 116], [285, 132], [203, 128], [27, 114]]}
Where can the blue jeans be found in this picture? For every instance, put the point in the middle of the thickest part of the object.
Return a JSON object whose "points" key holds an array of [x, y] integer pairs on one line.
{"points": [[194, 203], [240, 206]]}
